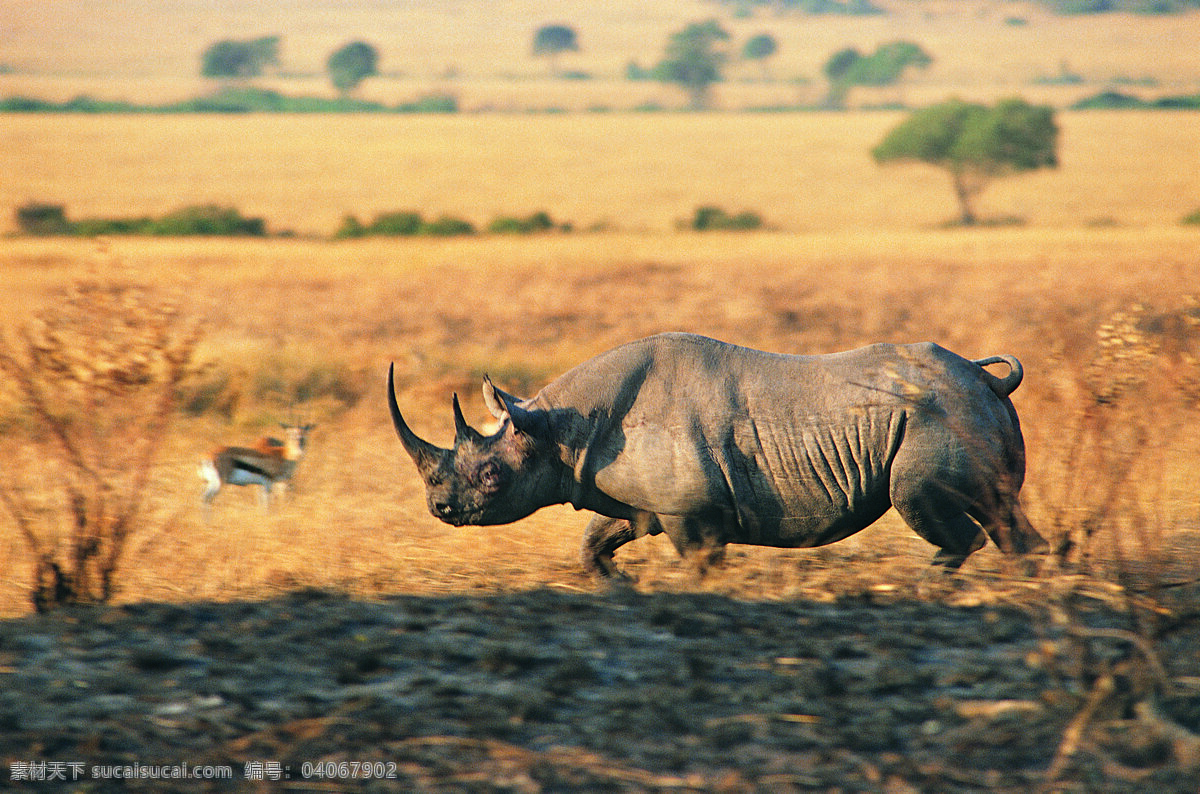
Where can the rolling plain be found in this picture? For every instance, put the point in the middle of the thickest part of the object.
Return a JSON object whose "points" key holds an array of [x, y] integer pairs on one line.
{"points": [[1094, 287], [346, 623]]}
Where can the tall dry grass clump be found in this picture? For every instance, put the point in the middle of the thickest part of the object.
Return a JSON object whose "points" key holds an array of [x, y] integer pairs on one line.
{"points": [[93, 384], [1125, 410], [1123, 406]]}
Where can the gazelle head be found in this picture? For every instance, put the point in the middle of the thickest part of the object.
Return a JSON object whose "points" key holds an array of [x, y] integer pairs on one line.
{"points": [[295, 436]]}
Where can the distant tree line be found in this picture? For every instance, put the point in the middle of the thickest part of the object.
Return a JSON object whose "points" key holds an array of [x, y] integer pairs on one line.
{"points": [[866, 7], [43, 219], [693, 59], [235, 99], [347, 66], [209, 220], [1122, 6], [815, 7], [258, 100]]}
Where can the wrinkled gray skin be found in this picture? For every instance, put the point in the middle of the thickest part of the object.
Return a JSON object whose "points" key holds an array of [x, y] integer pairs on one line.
{"points": [[713, 444]]}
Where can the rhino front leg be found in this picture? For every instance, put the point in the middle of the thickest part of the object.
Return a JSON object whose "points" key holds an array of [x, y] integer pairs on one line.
{"points": [[604, 535]]}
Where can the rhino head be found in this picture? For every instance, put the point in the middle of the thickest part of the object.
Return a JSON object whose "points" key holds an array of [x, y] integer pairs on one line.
{"points": [[483, 480]]}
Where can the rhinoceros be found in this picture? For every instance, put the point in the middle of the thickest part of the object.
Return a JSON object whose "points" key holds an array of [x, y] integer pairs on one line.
{"points": [[712, 444]]}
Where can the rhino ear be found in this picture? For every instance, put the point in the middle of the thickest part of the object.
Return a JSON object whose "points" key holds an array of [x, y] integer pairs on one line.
{"points": [[505, 406], [491, 398]]}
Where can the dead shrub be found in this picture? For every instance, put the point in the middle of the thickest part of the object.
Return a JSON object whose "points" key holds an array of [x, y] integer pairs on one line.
{"points": [[94, 381], [1110, 448], [1126, 407]]}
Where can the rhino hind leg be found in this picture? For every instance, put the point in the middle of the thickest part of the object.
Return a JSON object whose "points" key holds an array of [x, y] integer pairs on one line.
{"points": [[940, 517], [1008, 527]]}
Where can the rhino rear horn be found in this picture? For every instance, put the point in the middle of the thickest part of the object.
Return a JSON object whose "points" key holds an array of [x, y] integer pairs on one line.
{"points": [[462, 430], [421, 451]]}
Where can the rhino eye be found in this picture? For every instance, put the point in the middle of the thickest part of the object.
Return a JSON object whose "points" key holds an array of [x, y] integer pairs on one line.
{"points": [[488, 476]]}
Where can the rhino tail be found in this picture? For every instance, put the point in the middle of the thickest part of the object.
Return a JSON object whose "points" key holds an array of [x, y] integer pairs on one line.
{"points": [[1008, 384]]}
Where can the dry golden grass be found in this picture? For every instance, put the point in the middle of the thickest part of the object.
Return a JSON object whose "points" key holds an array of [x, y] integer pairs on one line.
{"points": [[801, 172], [525, 309], [855, 257]]}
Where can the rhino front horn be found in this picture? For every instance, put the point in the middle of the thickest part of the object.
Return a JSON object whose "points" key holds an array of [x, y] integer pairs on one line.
{"points": [[421, 451]]}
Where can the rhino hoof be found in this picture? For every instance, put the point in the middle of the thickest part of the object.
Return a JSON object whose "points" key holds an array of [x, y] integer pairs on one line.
{"points": [[618, 582]]}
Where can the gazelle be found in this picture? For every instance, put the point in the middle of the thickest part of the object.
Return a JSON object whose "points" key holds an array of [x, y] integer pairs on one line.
{"points": [[267, 462]]}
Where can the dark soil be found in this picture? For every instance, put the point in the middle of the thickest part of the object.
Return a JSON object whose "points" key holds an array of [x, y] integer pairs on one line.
{"points": [[618, 691]]}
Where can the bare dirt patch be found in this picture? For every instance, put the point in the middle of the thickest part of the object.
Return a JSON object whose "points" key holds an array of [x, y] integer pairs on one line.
{"points": [[548, 691]]}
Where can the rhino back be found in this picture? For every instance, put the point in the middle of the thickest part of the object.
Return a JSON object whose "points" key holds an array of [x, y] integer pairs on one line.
{"points": [[794, 450]]}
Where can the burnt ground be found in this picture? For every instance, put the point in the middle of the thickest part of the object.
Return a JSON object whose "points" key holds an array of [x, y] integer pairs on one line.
{"points": [[620, 690]]}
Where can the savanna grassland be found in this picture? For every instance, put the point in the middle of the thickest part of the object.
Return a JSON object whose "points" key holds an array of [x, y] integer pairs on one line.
{"points": [[806, 172], [857, 254], [347, 623]]}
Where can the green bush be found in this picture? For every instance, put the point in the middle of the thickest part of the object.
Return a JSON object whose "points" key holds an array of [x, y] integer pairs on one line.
{"points": [[537, 222], [331, 380], [210, 390], [402, 224], [208, 220], [397, 224], [710, 218], [247, 99], [1188, 102], [1109, 100], [24, 104], [433, 103], [635, 72], [447, 226], [1191, 219], [1115, 100], [97, 227], [43, 220], [350, 229]]}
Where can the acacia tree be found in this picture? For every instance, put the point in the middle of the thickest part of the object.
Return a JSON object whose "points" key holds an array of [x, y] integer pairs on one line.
{"points": [[352, 64], [848, 68], [975, 143], [552, 40], [693, 59], [760, 48], [239, 59]]}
